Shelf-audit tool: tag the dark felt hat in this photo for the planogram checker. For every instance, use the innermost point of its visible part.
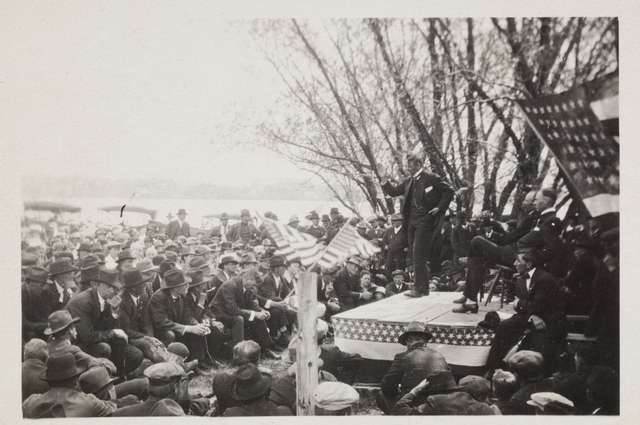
(89, 261)
(63, 265)
(461, 215)
(325, 217)
(197, 277)
(61, 367)
(314, 216)
(146, 265)
(414, 328)
(110, 277)
(29, 260)
(125, 255)
(182, 211)
(224, 216)
(245, 213)
(89, 273)
(174, 279)
(249, 383)
(84, 246)
(334, 210)
(276, 261)
(37, 274)
(132, 276)
(355, 260)
(229, 258)
(248, 258)
(59, 320)
(95, 379)
(226, 245)
(198, 263)
(165, 266)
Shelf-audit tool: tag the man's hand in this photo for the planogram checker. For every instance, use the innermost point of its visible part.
(199, 329)
(261, 315)
(420, 387)
(434, 211)
(538, 323)
(219, 326)
(333, 306)
(278, 305)
(366, 295)
(115, 303)
(119, 333)
(516, 300)
(154, 341)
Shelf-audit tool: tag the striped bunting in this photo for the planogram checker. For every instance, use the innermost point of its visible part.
(345, 244)
(293, 244)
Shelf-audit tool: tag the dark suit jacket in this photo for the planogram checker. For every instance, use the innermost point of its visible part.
(347, 286)
(75, 404)
(544, 299)
(94, 326)
(216, 282)
(457, 403)
(546, 237)
(34, 313)
(394, 242)
(174, 230)
(431, 191)
(316, 232)
(337, 362)
(62, 346)
(391, 288)
(222, 382)
(241, 232)
(194, 310)
(31, 382)
(518, 403)
(410, 368)
(461, 238)
(167, 314)
(51, 298)
(259, 408)
(526, 222)
(231, 301)
(135, 320)
(217, 231)
(268, 290)
(140, 409)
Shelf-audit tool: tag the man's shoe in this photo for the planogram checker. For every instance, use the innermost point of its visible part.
(465, 308)
(413, 294)
(284, 339)
(269, 355)
(460, 300)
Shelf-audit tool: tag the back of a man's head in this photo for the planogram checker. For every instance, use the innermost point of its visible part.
(36, 349)
(246, 352)
(505, 384)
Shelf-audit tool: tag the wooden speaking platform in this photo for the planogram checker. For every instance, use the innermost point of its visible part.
(373, 329)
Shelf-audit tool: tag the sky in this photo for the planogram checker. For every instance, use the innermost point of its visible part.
(99, 89)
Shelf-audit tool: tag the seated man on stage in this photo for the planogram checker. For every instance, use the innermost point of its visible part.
(484, 252)
(411, 367)
(240, 309)
(540, 308)
(426, 199)
(275, 287)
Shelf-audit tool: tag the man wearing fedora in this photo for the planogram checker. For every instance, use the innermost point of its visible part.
(442, 396)
(98, 310)
(395, 242)
(250, 389)
(227, 269)
(62, 335)
(178, 227)
(196, 306)
(62, 375)
(244, 230)
(426, 199)
(220, 231)
(170, 319)
(58, 293)
(240, 308)
(347, 285)
(98, 383)
(275, 287)
(411, 367)
(315, 229)
(89, 270)
(34, 307)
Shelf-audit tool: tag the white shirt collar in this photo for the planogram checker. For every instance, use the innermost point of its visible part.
(180, 222)
(528, 280)
(101, 300)
(418, 172)
(135, 299)
(397, 229)
(548, 210)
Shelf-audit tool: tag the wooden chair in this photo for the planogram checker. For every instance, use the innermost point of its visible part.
(499, 278)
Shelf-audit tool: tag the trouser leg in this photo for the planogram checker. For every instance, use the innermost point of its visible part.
(507, 334)
(236, 324)
(260, 333)
(421, 247)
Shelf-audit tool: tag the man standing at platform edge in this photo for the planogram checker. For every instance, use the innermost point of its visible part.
(426, 198)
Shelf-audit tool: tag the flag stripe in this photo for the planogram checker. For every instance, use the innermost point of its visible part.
(294, 244)
(346, 243)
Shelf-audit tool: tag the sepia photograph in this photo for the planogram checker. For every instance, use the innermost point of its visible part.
(230, 214)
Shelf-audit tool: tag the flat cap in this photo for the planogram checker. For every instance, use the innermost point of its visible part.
(476, 386)
(612, 235)
(555, 403)
(526, 362)
(335, 396)
(163, 373)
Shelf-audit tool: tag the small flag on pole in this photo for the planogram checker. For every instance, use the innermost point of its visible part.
(294, 244)
(345, 244)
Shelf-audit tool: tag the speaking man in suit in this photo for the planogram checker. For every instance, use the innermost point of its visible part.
(426, 199)
(540, 308)
(178, 227)
(240, 309)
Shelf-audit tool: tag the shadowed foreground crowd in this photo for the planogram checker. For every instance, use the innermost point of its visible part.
(116, 321)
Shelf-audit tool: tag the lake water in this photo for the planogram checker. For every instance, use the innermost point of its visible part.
(197, 208)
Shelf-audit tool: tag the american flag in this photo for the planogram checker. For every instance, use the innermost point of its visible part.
(294, 244)
(346, 243)
(580, 127)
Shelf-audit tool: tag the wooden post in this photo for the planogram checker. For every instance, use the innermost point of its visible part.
(307, 373)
